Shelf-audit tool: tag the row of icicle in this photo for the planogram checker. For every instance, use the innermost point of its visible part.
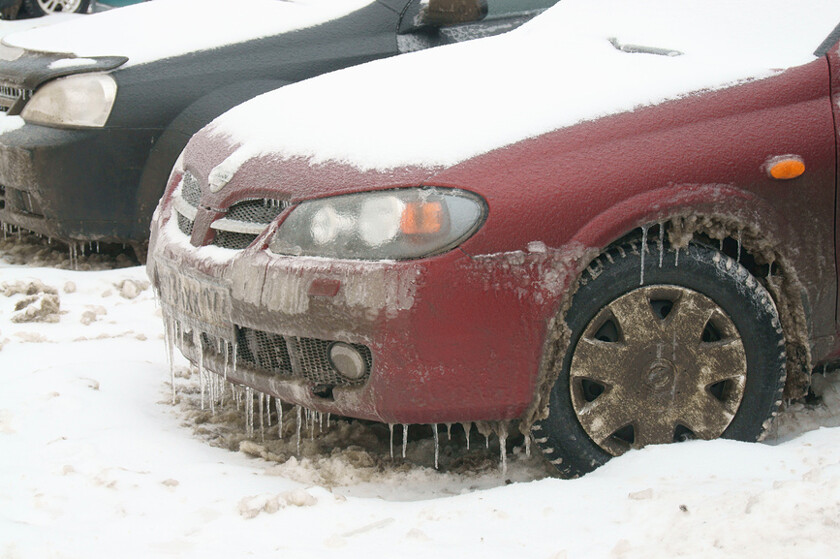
(257, 406)
(74, 249)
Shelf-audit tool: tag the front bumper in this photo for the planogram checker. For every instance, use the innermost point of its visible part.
(74, 185)
(449, 339)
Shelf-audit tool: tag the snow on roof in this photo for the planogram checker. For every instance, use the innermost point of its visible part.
(445, 105)
(164, 28)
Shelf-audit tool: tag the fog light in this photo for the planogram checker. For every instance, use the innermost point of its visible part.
(347, 360)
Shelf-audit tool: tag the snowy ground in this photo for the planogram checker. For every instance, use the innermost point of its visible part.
(95, 460)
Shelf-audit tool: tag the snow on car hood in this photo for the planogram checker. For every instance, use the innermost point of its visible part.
(445, 105)
(164, 28)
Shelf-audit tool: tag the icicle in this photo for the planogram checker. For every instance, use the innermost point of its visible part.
(644, 249)
(467, 428)
(677, 257)
(661, 243)
(405, 439)
(197, 344)
(391, 438)
(279, 405)
(310, 421)
(739, 247)
(235, 348)
(261, 400)
(298, 411)
(528, 445)
(168, 334)
(237, 398)
(487, 441)
(721, 244)
(437, 444)
(268, 410)
(320, 423)
(328, 421)
(249, 410)
(502, 433)
(449, 432)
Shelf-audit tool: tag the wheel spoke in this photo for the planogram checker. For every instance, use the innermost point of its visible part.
(602, 362)
(707, 416)
(636, 318)
(656, 429)
(691, 312)
(604, 416)
(719, 361)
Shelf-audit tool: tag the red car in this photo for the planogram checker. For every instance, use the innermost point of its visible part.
(614, 236)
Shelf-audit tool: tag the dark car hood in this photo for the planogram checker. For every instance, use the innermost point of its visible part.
(157, 30)
(29, 69)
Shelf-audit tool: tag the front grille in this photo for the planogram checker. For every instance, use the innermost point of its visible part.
(243, 222)
(13, 98)
(306, 358)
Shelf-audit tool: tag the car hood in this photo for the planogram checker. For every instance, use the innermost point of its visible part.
(165, 28)
(578, 61)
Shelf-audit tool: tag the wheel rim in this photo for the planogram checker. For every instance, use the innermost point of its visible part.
(657, 365)
(52, 6)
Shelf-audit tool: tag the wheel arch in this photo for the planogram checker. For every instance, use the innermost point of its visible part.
(734, 221)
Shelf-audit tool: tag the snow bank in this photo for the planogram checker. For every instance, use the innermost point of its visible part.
(164, 28)
(562, 68)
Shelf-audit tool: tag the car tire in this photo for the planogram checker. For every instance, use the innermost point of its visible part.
(38, 8)
(665, 346)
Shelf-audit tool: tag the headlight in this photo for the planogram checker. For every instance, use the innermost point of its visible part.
(387, 225)
(81, 100)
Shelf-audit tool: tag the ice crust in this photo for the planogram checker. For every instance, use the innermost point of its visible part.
(557, 70)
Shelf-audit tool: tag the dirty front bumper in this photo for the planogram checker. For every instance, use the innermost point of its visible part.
(446, 339)
(74, 185)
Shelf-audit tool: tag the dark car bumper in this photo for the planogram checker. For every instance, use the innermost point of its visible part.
(446, 339)
(53, 182)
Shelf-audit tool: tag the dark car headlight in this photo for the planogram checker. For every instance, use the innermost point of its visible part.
(83, 100)
(384, 225)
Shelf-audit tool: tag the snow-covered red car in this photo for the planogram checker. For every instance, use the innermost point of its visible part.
(613, 227)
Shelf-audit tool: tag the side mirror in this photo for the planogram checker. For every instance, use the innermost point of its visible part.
(453, 12)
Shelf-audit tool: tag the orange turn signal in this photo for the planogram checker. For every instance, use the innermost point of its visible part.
(420, 218)
(787, 167)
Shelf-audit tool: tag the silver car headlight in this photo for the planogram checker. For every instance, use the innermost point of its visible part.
(83, 100)
(386, 225)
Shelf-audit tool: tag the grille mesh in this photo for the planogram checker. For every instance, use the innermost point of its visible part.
(185, 225)
(231, 240)
(190, 189)
(270, 353)
(256, 211)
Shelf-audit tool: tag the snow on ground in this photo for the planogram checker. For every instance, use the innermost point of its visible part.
(96, 460)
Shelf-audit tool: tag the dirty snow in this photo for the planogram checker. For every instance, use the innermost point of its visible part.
(96, 460)
(561, 68)
(186, 25)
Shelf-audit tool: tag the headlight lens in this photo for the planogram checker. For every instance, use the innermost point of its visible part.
(387, 225)
(82, 100)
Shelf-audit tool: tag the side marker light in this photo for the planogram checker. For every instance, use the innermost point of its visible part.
(786, 167)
